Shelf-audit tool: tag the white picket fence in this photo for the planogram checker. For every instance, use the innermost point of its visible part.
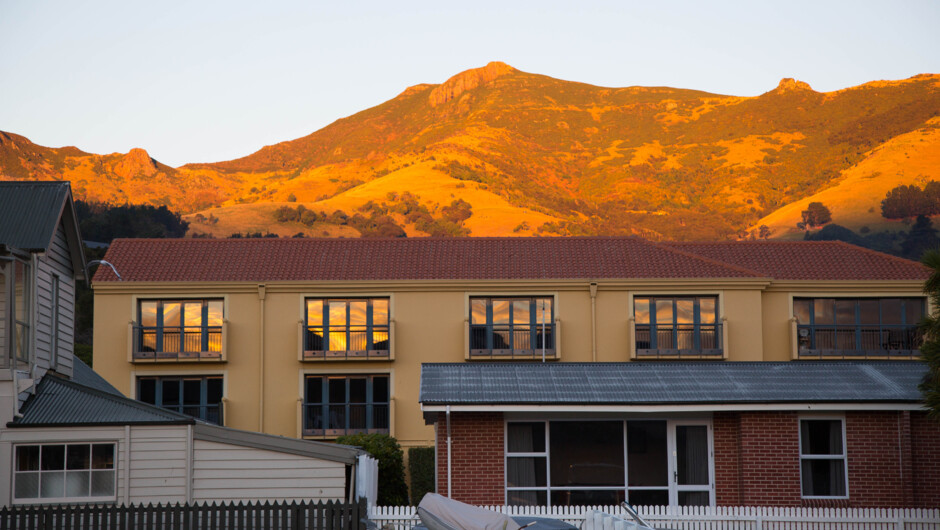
(708, 518)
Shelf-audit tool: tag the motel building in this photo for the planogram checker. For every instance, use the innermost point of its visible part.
(547, 371)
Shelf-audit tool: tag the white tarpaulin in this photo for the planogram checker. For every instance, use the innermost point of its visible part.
(367, 479)
(455, 514)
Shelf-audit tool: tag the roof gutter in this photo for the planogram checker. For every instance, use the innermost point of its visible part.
(677, 407)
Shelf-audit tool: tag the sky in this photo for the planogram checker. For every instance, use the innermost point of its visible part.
(208, 81)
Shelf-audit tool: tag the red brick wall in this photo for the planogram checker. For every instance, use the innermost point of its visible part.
(876, 477)
(925, 453)
(477, 461)
(893, 459)
(727, 436)
(769, 459)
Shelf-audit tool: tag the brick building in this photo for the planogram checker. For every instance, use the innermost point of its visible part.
(847, 433)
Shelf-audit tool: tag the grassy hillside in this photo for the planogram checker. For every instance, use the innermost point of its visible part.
(535, 155)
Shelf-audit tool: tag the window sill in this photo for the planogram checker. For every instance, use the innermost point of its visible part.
(196, 358)
(879, 355)
(655, 355)
(509, 355)
(326, 356)
(335, 434)
(64, 500)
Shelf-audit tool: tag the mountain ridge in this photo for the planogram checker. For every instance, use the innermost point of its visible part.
(532, 155)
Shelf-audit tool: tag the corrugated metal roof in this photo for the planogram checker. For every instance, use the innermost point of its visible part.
(60, 402)
(84, 375)
(29, 212)
(220, 260)
(650, 383)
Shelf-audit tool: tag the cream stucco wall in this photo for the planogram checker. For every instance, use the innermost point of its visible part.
(429, 320)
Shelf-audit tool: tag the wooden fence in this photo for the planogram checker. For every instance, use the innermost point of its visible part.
(330, 515)
(708, 518)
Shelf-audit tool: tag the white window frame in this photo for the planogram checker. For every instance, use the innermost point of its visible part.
(672, 487)
(63, 500)
(844, 456)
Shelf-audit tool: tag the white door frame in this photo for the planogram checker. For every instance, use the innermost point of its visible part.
(674, 487)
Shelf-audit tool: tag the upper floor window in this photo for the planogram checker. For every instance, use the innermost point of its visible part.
(15, 304)
(74, 472)
(822, 458)
(199, 397)
(346, 327)
(512, 326)
(179, 329)
(335, 405)
(677, 326)
(858, 326)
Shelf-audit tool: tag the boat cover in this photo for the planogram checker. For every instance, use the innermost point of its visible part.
(440, 513)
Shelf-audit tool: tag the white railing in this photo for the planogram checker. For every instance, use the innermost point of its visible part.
(707, 518)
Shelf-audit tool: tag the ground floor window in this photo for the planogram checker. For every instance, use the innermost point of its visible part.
(196, 396)
(822, 458)
(64, 472)
(335, 405)
(604, 462)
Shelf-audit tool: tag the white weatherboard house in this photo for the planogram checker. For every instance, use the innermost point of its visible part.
(67, 436)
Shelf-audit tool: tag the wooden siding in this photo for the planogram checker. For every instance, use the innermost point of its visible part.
(55, 262)
(158, 464)
(224, 472)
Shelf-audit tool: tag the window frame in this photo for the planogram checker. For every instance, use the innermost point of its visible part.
(697, 327)
(65, 500)
(371, 328)
(370, 404)
(21, 331)
(844, 456)
(203, 405)
(490, 328)
(672, 487)
(207, 334)
(808, 332)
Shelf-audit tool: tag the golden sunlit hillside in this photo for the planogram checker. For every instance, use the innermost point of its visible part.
(497, 151)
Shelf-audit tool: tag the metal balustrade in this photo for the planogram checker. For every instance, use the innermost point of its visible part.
(858, 341)
(177, 343)
(679, 340)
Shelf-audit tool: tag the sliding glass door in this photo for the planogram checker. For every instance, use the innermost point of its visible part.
(602, 462)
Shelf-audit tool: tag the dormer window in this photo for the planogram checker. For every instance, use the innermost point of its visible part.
(677, 326)
(858, 327)
(346, 328)
(512, 327)
(179, 330)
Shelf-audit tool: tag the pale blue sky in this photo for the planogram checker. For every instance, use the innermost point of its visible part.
(201, 81)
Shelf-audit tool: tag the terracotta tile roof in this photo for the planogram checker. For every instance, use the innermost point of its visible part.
(809, 260)
(207, 260)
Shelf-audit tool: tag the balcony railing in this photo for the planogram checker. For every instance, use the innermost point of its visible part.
(519, 342)
(177, 343)
(827, 342)
(680, 341)
(339, 419)
(346, 343)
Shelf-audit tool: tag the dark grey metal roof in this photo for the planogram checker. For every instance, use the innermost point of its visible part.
(346, 454)
(59, 402)
(649, 383)
(84, 375)
(29, 212)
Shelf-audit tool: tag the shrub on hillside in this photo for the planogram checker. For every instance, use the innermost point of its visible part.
(904, 202)
(816, 214)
